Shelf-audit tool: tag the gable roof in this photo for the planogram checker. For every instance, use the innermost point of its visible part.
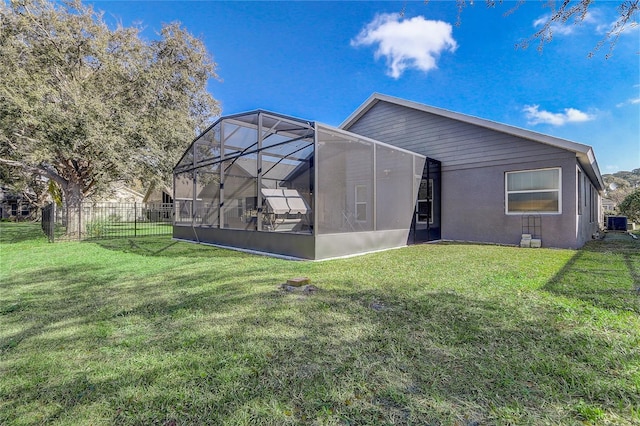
(584, 153)
(156, 187)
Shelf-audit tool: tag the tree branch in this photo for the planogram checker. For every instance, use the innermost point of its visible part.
(24, 166)
(42, 170)
(30, 16)
(23, 136)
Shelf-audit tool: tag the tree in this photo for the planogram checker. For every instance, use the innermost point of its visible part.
(616, 188)
(83, 104)
(620, 184)
(567, 11)
(630, 206)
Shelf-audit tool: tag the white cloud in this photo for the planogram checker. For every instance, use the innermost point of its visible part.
(605, 28)
(594, 18)
(556, 28)
(406, 43)
(569, 27)
(632, 101)
(570, 115)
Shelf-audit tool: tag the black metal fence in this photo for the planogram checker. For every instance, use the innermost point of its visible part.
(48, 222)
(107, 220)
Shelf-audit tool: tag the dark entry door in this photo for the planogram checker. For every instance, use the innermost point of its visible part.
(426, 220)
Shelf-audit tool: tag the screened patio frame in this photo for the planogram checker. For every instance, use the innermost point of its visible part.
(345, 193)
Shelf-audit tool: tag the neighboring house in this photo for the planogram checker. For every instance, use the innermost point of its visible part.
(158, 194)
(14, 206)
(395, 172)
(159, 203)
(608, 205)
(495, 179)
(118, 203)
(118, 192)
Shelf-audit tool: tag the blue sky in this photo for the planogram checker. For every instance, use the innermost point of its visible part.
(321, 60)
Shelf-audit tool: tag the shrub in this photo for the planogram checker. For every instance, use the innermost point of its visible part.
(97, 228)
(630, 206)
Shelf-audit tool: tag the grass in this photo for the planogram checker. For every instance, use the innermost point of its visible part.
(153, 331)
(128, 229)
(102, 229)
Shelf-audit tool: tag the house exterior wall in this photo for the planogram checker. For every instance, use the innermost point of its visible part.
(474, 162)
(473, 206)
(457, 145)
(158, 196)
(117, 193)
(14, 207)
(588, 208)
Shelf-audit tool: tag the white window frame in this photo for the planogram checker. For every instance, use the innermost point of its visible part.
(580, 191)
(507, 192)
(360, 203)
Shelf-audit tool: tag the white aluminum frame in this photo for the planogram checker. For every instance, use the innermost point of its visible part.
(507, 192)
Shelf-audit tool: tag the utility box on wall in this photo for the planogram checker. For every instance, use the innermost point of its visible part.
(617, 223)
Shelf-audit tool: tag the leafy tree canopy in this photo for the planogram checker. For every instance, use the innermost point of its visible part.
(84, 104)
(630, 206)
(620, 184)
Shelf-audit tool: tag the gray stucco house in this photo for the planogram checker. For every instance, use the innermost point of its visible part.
(496, 181)
(395, 172)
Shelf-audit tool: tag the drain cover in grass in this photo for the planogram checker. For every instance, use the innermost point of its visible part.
(299, 281)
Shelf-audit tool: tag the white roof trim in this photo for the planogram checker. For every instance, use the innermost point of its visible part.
(584, 153)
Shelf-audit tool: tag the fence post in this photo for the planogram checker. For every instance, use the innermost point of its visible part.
(135, 218)
(52, 223)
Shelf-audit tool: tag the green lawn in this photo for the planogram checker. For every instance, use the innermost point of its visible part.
(153, 331)
(103, 229)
